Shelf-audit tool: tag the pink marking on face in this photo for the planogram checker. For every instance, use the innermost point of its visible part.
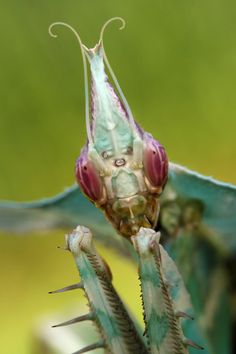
(88, 177)
(155, 161)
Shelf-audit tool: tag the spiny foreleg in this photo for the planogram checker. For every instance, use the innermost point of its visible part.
(117, 330)
(161, 297)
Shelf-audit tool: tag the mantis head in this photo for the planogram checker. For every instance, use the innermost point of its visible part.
(121, 168)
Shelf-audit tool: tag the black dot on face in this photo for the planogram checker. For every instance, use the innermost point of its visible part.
(105, 154)
(120, 162)
(129, 150)
(154, 152)
(85, 168)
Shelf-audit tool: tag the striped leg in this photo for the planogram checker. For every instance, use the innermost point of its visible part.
(165, 299)
(117, 330)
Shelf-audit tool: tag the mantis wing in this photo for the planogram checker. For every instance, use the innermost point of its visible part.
(217, 200)
(65, 210)
(62, 211)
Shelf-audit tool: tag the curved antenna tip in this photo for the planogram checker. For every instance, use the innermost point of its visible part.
(82, 47)
(50, 30)
(123, 23)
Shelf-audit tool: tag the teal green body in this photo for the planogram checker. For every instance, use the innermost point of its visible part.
(117, 330)
(111, 131)
(167, 305)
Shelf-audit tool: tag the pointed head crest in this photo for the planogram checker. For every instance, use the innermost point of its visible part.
(97, 58)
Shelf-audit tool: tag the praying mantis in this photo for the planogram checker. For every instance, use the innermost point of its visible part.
(179, 226)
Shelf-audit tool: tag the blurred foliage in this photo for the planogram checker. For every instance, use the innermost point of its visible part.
(176, 62)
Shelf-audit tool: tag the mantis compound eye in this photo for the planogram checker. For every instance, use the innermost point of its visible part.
(155, 161)
(87, 177)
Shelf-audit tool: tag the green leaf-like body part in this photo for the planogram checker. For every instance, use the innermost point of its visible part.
(164, 295)
(65, 210)
(218, 199)
(116, 327)
(62, 211)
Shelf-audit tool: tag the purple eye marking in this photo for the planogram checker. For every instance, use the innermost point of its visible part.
(155, 161)
(88, 177)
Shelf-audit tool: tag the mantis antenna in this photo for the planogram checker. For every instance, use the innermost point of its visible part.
(50, 30)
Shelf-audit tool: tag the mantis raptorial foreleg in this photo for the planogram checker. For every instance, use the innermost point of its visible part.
(117, 330)
(165, 299)
(164, 296)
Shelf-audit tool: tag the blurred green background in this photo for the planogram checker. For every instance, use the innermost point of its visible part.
(176, 63)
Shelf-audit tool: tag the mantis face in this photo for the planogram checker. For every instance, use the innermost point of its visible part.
(122, 169)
